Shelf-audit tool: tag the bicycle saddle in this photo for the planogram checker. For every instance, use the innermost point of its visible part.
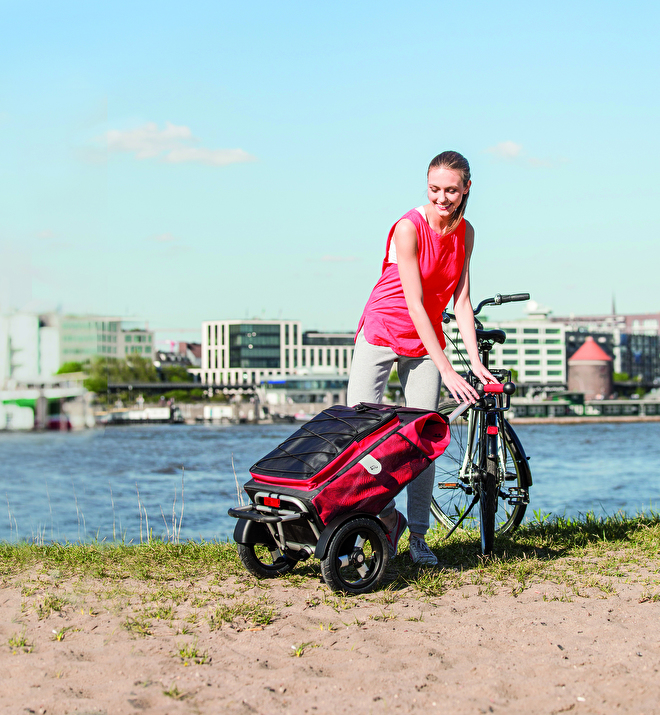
(497, 336)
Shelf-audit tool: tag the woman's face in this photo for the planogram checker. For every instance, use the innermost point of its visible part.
(446, 191)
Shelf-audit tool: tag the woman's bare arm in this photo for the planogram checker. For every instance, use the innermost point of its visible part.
(411, 281)
(464, 313)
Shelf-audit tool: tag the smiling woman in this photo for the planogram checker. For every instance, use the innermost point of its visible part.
(427, 262)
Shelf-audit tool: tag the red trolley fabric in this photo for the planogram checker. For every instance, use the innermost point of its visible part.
(355, 458)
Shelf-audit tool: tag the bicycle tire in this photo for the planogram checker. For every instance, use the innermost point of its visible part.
(447, 504)
(488, 507)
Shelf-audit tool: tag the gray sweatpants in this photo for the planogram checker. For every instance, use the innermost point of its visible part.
(421, 383)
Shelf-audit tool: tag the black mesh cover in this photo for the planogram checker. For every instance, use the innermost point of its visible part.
(320, 440)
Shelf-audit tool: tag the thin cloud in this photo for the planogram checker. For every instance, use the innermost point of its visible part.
(171, 244)
(505, 150)
(163, 238)
(512, 152)
(173, 144)
(213, 157)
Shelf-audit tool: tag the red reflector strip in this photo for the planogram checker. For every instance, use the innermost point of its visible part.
(270, 501)
(448, 485)
(494, 387)
(491, 429)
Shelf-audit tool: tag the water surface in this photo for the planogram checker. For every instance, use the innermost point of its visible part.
(120, 482)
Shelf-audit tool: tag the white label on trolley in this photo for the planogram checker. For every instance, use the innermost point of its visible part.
(371, 464)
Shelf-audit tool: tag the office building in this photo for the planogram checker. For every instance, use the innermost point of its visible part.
(82, 337)
(255, 351)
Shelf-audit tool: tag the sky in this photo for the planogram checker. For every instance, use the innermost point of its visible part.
(205, 161)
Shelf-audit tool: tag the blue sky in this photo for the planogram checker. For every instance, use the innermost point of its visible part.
(204, 161)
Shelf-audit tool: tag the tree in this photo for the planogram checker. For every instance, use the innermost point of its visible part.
(68, 367)
(176, 373)
(102, 370)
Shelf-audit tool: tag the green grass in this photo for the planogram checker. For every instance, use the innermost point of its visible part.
(151, 561)
(259, 613)
(585, 555)
(577, 553)
(190, 654)
(18, 643)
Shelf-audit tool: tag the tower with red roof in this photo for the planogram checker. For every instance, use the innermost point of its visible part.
(590, 371)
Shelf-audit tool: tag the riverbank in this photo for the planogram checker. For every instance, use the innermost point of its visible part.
(597, 419)
(565, 618)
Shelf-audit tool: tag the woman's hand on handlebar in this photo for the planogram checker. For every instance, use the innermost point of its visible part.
(460, 389)
(480, 372)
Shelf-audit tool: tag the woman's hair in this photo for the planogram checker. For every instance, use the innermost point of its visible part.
(456, 162)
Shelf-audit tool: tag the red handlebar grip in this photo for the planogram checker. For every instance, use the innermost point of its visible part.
(494, 387)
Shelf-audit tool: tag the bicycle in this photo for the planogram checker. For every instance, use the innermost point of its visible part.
(485, 462)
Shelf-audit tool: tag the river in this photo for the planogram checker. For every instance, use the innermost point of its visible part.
(120, 482)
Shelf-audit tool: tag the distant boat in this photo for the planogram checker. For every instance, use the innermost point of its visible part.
(149, 415)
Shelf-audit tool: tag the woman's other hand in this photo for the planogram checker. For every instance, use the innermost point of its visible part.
(480, 372)
(460, 389)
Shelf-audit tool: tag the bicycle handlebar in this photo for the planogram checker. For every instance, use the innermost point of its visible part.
(498, 299)
(508, 388)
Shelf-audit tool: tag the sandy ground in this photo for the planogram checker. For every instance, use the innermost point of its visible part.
(462, 652)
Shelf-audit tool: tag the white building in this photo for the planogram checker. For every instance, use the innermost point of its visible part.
(35, 346)
(535, 348)
(254, 351)
(28, 348)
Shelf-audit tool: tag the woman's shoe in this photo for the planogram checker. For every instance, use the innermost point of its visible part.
(394, 534)
(420, 552)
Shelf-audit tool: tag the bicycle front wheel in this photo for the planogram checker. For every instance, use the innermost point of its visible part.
(452, 491)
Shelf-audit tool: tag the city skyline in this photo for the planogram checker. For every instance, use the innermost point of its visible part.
(236, 162)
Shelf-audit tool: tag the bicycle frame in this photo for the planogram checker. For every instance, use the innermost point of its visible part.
(489, 442)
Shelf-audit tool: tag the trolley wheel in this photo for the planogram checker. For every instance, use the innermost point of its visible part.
(264, 561)
(357, 557)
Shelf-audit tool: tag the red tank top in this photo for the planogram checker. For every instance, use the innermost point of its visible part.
(386, 320)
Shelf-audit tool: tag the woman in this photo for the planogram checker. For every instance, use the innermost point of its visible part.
(427, 262)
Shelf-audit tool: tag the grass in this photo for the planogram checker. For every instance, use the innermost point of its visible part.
(18, 643)
(588, 555)
(156, 561)
(191, 655)
(50, 604)
(258, 612)
(139, 625)
(299, 650)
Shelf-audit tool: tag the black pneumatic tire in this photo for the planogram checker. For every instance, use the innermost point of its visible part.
(449, 503)
(488, 507)
(357, 557)
(263, 562)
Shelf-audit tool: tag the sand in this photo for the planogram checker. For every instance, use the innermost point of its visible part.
(467, 651)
